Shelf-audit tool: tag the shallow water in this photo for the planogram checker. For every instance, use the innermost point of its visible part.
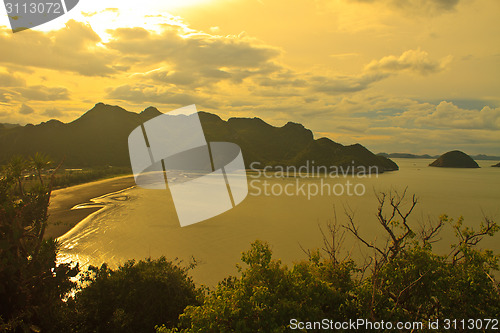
(138, 223)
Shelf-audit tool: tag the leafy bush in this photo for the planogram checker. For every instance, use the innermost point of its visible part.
(404, 281)
(32, 285)
(133, 298)
(267, 295)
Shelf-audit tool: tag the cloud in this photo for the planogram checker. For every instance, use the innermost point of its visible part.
(428, 6)
(53, 112)
(198, 49)
(345, 84)
(432, 7)
(193, 58)
(11, 80)
(74, 48)
(154, 94)
(25, 109)
(448, 115)
(416, 61)
(42, 93)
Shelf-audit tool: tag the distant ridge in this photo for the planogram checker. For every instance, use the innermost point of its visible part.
(455, 159)
(427, 156)
(406, 155)
(7, 125)
(100, 137)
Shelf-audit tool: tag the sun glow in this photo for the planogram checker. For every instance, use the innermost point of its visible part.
(113, 14)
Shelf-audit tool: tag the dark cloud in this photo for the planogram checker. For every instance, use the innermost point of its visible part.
(53, 112)
(4, 97)
(199, 50)
(11, 80)
(195, 59)
(345, 84)
(42, 93)
(25, 109)
(73, 48)
(153, 94)
(419, 6)
(282, 79)
(426, 5)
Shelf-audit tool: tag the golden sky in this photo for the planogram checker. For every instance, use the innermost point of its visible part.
(419, 76)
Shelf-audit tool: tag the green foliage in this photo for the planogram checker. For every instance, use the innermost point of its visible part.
(268, 294)
(69, 178)
(133, 298)
(406, 281)
(32, 285)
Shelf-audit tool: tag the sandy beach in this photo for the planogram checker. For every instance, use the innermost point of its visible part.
(62, 218)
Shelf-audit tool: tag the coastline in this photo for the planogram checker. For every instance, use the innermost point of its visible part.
(62, 218)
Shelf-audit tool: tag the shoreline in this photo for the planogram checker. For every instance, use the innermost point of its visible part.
(62, 218)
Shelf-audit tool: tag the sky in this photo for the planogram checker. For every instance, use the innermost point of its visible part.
(416, 76)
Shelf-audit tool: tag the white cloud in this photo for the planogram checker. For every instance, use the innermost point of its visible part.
(416, 61)
(73, 48)
(448, 115)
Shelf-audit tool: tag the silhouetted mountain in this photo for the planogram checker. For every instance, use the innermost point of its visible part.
(455, 159)
(485, 157)
(100, 137)
(405, 155)
(7, 125)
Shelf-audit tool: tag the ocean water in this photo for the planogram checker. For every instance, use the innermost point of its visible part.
(138, 223)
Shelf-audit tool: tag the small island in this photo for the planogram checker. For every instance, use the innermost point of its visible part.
(496, 165)
(455, 159)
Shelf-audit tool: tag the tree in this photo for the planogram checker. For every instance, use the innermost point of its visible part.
(135, 297)
(40, 162)
(409, 282)
(32, 284)
(14, 171)
(269, 294)
(404, 280)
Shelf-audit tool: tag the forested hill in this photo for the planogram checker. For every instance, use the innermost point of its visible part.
(100, 137)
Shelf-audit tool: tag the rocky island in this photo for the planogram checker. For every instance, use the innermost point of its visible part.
(454, 159)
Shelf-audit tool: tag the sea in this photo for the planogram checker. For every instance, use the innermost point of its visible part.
(291, 211)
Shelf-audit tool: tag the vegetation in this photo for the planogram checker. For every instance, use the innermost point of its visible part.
(133, 298)
(32, 285)
(39, 295)
(71, 177)
(37, 169)
(403, 280)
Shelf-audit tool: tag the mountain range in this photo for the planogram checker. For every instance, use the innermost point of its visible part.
(100, 137)
(427, 156)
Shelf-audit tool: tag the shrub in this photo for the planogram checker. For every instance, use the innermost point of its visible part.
(133, 298)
